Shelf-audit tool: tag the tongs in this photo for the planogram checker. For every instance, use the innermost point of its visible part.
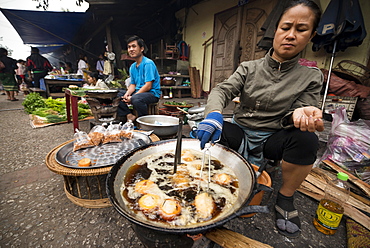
(178, 147)
(206, 156)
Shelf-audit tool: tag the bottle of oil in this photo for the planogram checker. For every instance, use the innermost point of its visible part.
(330, 210)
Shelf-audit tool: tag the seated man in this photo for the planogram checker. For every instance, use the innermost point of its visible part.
(144, 87)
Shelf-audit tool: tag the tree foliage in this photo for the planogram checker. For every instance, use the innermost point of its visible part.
(44, 4)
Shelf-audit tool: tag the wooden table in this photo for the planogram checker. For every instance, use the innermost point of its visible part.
(60, 82)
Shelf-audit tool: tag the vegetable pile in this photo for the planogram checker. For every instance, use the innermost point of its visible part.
(184, 103)
(51, 110)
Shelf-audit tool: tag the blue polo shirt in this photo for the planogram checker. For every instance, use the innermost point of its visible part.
(145, 72)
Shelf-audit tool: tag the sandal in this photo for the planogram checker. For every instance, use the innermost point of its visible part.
(284, 225)
(15, 99)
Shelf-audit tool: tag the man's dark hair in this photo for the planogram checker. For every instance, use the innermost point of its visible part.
(34, 50)
(140, 41)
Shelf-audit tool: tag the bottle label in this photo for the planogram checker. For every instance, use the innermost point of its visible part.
(328, 218)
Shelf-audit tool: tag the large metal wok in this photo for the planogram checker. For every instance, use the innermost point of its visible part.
(242, 169)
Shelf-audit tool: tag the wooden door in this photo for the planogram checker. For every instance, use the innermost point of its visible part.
(225, 44)
(236, 34)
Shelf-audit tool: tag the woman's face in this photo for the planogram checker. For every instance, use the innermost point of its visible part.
(91, 80)
(293, 33)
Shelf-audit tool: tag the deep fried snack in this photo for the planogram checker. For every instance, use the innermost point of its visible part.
(144, 186)
(180, 180)
(82, 144)
(169, 209)
(111, 138)
(223, 179)
(126, 134)
(149, 202)
(187, 156)
(96, 137)
(204, 205)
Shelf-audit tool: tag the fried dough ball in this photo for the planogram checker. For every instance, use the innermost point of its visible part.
(149, 202)
(223, 179)
(187, 156)
(144, 186)
(180, 180)
(170, 209)
(205, 206)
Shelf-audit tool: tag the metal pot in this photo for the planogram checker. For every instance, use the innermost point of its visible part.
(162, 125)
(241, 167)
(196, 110)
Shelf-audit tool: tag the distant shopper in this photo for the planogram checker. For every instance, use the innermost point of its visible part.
(21, 71)
(7, 74)
(144, 87)
(38, 66)
(82, 66)
(69, 68)
(100, 64)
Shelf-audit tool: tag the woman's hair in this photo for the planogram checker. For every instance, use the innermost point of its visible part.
(308, 3)
(3, 51)
(94, 74)
(140, 41)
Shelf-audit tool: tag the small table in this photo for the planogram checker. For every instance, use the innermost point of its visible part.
(71, 176)
(60, 82)
(79, 183)
(72, 100)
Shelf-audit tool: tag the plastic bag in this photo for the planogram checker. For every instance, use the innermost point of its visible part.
(23, 86)
(82, 140)
(96, 134)
(349, 145)
(112, 134)
(127, 130)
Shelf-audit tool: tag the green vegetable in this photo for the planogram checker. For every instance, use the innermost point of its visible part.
(55, 118)
(184, 103)
(32, 102)
(58, 104)
(43, 112)
(53, 109)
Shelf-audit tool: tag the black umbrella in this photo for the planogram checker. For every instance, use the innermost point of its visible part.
(341, 26)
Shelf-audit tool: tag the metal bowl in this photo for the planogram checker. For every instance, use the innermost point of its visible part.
(162, 125)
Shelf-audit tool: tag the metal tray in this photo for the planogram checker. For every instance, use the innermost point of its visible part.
(101, 156)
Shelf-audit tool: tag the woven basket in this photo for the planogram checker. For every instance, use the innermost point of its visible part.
(354, 69)
(170, 112)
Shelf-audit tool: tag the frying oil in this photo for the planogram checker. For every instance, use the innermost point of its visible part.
(159, 168)
(330, 210)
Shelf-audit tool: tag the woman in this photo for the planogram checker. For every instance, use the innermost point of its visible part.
(277, 115)
(82, 66)
(7, 75)
(94, 80)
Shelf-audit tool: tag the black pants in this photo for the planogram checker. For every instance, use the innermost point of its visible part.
(37, 77)
(292, 145)
(139, 101)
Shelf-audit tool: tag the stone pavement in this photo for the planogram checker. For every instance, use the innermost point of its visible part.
(35, 212)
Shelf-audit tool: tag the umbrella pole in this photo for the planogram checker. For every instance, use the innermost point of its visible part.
(329, 74)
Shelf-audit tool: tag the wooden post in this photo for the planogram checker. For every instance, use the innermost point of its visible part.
(195, 85)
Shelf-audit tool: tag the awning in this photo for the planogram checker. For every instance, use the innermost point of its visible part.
(46, 28)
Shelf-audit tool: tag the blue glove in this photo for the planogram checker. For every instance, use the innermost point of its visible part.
(210, 128)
